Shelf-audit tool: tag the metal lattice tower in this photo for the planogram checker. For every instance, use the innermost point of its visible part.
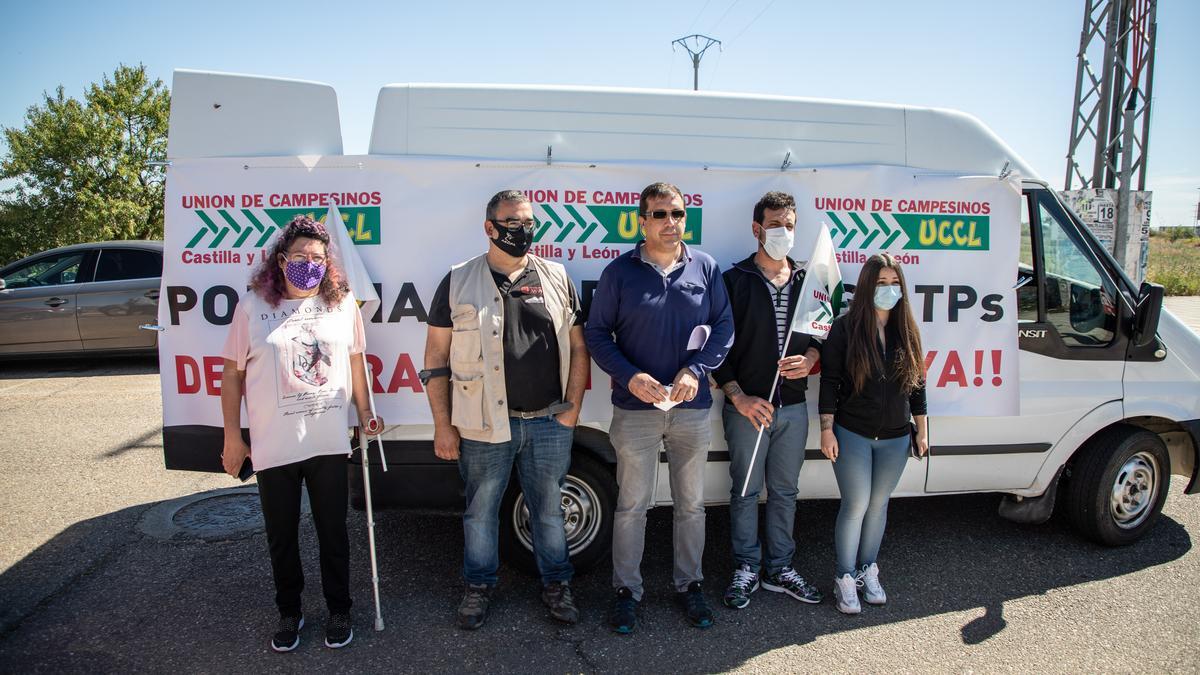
(1110, 124)
(696, 55)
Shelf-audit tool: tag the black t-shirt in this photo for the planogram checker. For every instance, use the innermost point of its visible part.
(530, 345)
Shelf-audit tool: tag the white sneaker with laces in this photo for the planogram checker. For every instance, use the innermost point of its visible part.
(868, 577)
(845, 591)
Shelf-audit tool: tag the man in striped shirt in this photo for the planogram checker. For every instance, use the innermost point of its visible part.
(763, 292)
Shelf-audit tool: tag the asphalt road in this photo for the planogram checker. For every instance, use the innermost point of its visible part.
(87, 583)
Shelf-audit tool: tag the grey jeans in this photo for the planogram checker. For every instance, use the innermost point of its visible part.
(639, 436)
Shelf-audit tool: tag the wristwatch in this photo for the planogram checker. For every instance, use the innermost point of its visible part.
(428, 374)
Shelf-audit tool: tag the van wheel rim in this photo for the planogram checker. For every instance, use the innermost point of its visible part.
(582, 516)
(1134, 490)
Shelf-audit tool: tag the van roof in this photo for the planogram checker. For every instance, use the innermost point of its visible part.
(229, 115)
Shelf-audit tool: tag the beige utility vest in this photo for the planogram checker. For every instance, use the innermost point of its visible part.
(478, 402)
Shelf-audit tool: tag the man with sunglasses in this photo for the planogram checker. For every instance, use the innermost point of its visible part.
(659, 323)
(506, 367)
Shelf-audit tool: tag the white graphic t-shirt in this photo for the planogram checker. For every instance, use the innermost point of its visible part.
(297, 362)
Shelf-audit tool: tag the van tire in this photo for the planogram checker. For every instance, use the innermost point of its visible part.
(590, 498)
(1118, 485)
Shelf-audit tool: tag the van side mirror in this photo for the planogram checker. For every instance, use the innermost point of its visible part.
(1149, 308)
(2, 285)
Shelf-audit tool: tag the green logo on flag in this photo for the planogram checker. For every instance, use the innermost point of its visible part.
(829, 308)
(241, 228)
(910, 231)
(571, 224)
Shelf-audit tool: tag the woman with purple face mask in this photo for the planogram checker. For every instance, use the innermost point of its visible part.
(295, 352)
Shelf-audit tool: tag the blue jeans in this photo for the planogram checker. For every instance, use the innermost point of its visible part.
(780, 456)
(867, 473)
(541, 450)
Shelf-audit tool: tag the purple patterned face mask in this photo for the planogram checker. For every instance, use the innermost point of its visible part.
(304, 275)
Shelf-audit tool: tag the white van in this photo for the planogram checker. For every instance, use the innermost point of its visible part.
(1109, 386)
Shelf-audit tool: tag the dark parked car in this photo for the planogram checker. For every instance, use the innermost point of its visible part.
(83, 298)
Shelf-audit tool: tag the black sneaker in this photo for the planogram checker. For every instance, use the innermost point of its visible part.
(287, 636)
(745, 582)
(622, 616)
(556, 595)
(338, 631)
(474, 606)
(787, 581)
(692, 600)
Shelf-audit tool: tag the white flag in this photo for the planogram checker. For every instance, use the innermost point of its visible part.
(821, 294)
(352, 266)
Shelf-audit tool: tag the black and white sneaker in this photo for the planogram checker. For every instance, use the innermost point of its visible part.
(338, 632)
(745, 582)
(287, 635)
(787, 581)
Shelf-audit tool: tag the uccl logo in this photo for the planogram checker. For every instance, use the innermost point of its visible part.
(253, 228)
(909, 231)
(579, 224)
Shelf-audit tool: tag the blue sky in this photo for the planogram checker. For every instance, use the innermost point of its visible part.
(1011, 64)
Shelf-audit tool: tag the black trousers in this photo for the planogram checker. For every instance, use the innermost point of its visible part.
(279, 491)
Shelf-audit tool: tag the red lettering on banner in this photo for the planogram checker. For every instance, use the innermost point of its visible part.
(187, 375)
(214, 368)
(403, 375)
(190, 375)
(951, 370)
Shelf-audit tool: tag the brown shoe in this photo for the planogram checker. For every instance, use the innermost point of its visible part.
(556, 595)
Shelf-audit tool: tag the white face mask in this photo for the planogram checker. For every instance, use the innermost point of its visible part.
(886, 297)
(777, 241)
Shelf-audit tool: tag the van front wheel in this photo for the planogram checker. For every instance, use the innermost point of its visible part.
(589, 497)
(1118, 485)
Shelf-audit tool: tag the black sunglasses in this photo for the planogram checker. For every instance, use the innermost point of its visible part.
(677, 214)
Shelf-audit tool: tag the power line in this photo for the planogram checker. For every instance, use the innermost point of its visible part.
(706, 3)
(727, 10)
(756, 17)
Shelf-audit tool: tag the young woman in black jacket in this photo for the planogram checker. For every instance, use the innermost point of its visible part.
(872, 383)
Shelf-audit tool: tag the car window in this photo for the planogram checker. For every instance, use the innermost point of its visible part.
(1079, 301)
(1027, 296)
(117, 264)
(47, 271)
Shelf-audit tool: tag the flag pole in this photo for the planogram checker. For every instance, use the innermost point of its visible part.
(758, 441)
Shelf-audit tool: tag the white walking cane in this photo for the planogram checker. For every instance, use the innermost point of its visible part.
(757, 441)
(364, 446)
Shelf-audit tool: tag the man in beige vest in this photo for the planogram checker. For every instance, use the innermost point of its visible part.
(506, 367)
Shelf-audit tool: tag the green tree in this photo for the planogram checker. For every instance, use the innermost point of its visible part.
(79, 168)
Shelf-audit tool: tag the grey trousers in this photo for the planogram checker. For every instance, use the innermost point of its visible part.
(639, 436)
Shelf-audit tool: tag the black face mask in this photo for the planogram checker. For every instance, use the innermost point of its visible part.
(514, 241)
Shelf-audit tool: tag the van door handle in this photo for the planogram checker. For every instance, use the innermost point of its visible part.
(153, 295)
(55, 302)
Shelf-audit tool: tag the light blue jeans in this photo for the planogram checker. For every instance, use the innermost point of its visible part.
(780, 456)
(867, 473)
(541, 450)
(639, 436)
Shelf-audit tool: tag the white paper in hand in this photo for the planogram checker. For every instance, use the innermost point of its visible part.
(699, 337)
(667, 404)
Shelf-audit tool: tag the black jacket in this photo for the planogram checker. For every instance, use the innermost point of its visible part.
(754, 357)
(881, 410)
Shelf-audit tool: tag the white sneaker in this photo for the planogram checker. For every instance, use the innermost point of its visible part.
(845, 591)
(868, 577)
